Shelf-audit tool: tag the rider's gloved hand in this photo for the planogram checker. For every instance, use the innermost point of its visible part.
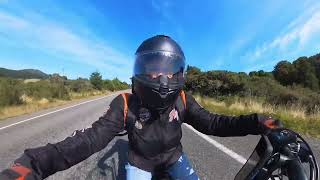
(16, 172)
(267, 123)
(20, 170)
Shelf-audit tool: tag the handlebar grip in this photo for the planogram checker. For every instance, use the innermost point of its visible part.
(295, 170)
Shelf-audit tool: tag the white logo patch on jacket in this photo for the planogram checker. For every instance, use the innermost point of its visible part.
(173, 115)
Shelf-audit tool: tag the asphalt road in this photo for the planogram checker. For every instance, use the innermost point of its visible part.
(56, 124)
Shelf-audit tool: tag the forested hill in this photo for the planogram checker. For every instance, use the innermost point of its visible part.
(23, 74)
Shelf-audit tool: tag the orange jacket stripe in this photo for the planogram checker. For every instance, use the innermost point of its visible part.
(125, 108)
(183, 96)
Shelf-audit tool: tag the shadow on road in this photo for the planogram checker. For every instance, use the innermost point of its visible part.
(112, 164)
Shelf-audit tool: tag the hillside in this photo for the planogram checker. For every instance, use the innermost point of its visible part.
(291, 92)
(23, 74)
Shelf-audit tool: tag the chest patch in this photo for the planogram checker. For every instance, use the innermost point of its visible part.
(173, 115)
(138, 125)
(144, 115)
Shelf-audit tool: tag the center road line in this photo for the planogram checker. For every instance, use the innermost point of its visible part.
(26, 120)
(220, 146)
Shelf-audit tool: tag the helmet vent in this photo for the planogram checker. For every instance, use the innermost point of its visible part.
(163, 91)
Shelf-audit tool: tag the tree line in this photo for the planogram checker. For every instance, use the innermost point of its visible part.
(289, 84)
(304, 71)
(13, 90)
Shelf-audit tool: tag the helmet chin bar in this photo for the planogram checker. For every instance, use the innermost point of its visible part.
(163, 89)
(163, 86)
(167, 97)
(164, 93)
(158, 97)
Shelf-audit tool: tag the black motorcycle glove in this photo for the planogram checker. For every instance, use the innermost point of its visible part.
(267, 124)
(16, 172)
(22, 169)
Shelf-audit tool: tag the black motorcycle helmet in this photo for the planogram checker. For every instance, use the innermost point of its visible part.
(158, 74)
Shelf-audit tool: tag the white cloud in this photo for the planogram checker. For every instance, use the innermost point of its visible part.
(8, 21)
(167, 21)
(310, 28)
(164, 8)
(57, 40)
(260, 66)
(296, 37)
(155, 5)
(217, 63)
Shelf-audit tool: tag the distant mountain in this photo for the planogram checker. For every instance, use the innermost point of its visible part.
(23, 74)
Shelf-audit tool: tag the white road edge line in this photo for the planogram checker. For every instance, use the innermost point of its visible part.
(1, 128)
(220, 146)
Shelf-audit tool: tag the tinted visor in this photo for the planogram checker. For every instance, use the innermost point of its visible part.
(158, 63)
(174, 82)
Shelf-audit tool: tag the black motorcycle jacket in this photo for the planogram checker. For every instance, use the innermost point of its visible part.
(154, 137)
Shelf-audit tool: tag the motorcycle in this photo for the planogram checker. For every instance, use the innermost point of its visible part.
(281, 154)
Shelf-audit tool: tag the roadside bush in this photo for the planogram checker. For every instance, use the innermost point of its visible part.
(119, 85)
(215, 83)
(10, 92)
(262, 86)
(114, 85)
(284, 98)
(107, 84)
(45, 89)
(80, 85)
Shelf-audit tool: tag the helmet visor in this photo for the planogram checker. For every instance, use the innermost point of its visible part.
(158, 63)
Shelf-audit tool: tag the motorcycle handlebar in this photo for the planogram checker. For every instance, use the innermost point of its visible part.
(294, 167)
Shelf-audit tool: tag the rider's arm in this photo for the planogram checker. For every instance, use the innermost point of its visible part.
(221, 125)
(46, 160)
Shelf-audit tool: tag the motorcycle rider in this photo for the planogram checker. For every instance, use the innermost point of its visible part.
(152, 115)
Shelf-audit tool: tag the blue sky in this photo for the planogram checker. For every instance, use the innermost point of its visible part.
(79, 37)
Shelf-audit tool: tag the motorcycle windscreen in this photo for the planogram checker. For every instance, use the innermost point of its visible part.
(256, 161)
(157, 63)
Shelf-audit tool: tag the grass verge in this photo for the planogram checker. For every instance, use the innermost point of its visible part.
(295, 118)
(31, 105)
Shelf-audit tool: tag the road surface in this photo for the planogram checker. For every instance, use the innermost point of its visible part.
(212, 157)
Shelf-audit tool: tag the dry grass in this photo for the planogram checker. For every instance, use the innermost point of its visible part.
(75, 95)
(30, 105)
(31, 80)
(293, 117)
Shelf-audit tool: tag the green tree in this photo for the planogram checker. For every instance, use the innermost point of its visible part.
(285, 73)
(96, 80)
(261, 73)
(192, 80)
(306, 73)
(315, 60)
